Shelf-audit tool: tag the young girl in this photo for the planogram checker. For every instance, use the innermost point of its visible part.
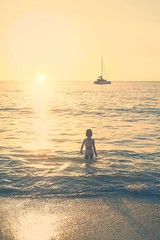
(89, 144)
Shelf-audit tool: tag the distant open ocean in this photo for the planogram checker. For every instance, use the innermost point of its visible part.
(42, 126)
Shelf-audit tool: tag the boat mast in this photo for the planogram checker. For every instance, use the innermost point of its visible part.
(102, 67)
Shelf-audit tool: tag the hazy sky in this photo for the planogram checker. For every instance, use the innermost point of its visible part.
(65, 39)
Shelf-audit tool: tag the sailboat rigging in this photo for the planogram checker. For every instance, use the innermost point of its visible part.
(100, 79)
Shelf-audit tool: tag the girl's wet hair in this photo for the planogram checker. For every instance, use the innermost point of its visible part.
(89, 133)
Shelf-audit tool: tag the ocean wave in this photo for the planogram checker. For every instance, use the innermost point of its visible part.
(91, 184)
(144, 189)
(9, 109)
(18, 110)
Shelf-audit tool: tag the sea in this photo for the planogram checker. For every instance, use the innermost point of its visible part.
(43, 124)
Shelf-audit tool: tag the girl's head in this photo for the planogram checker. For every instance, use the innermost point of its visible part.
(89, 133)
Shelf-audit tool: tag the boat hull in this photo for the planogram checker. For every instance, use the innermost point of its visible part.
(105, 82)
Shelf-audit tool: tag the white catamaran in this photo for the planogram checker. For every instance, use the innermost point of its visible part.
(100, 79)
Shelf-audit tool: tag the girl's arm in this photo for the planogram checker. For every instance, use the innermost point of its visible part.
(82, 147)
(94, 148)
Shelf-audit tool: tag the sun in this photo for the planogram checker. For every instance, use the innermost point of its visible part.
(41, 78)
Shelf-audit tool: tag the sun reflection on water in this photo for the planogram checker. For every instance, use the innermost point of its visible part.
(40, 95)
(41, 123)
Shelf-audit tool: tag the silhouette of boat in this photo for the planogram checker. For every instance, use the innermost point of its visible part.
(100, 79)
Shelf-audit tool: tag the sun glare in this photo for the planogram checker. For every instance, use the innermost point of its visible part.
(41, 78)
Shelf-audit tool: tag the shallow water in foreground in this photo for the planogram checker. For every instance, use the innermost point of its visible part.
(42, 126)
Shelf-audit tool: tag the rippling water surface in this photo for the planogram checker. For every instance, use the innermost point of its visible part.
(42, 126)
